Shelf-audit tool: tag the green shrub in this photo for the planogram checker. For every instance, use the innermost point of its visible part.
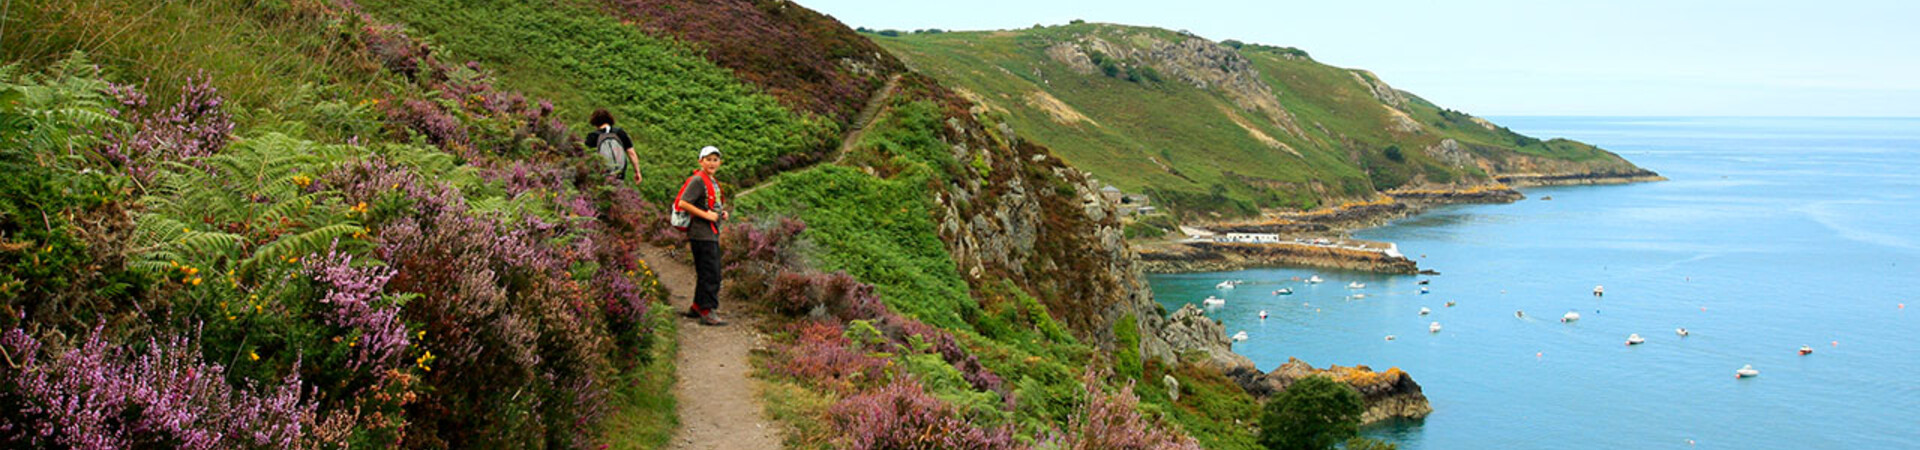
(1313, 413)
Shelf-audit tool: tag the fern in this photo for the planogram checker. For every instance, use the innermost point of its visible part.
(288, 248)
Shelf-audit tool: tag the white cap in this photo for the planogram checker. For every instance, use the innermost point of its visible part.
(708, 150)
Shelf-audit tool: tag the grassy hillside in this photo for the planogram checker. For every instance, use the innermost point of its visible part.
(1217, 128)
(371, 224)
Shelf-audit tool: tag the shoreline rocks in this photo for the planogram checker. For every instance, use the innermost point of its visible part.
(1217, 257)
(1391, 394)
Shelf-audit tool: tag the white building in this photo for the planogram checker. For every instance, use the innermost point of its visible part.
(1250, 238)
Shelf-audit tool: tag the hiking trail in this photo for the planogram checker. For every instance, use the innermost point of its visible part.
(716, 395)
(861, 123)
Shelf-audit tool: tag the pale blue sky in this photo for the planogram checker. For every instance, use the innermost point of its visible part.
(1539, 57)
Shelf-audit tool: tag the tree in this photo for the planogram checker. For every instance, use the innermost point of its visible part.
(1313, 414)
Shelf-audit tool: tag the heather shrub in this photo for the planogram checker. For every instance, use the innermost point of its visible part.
(1112, 421)
(820, 355)
(901, 415)
(105, 395)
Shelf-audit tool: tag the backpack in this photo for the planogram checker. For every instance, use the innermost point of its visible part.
(681, 219)
(612, 152)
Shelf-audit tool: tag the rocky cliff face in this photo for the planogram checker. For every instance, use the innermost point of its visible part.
(1198, 62)
(1190, 329)
(1020, 215)
(1388, 395)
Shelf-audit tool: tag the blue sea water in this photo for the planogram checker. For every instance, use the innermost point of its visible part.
(1773, 233)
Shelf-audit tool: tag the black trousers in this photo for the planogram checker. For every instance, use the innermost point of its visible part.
(706, 266)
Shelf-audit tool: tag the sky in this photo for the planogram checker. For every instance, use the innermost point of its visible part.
(1535, 57)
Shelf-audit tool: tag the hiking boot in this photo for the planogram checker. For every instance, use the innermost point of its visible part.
(690, 314)
(712, 320)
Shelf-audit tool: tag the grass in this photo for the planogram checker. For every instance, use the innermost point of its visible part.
(666, 94)
(1195, 146)
(644, 407)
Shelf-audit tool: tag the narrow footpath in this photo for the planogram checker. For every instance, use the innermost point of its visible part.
(861, 122)
(717, 395)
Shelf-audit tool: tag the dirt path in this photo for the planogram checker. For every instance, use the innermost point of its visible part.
(717, 405)
(861, 122)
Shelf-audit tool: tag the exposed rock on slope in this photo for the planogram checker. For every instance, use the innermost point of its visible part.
(1388, 395)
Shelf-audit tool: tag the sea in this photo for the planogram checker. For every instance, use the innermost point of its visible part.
(1771, 234)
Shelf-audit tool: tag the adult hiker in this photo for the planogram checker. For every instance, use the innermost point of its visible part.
(613, 145)
(700, 200)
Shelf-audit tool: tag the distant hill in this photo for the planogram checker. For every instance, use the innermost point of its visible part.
(1232, 128)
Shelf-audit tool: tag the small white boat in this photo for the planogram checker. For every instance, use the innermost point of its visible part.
(1241, 336)
(1424, 282)
(1634, 339)
(1571, 316)
(1805, 350)
(1214, 301)
(1599, 291)
(1425, 311)
(1433, 327)
(1682, 331)
(1423, 290)
(1224, 285)
(1390, 337)
(1746, 371)
(1357, 296)
(1314, 280)
(1356, 285)
(1283, 291)
(1519, 314)
(1263, 314)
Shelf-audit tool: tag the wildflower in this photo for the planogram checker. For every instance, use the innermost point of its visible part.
(257, 309)
(231, 318)
(253, 356)
(421, 335)
(196, 281)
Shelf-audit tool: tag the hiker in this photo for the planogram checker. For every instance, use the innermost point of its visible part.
(700, 199)
(613, 145)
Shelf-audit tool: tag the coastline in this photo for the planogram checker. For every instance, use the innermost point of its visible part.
(1192, 256)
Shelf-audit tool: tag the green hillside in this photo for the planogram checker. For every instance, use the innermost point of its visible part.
(1226, 128)
(372, 224)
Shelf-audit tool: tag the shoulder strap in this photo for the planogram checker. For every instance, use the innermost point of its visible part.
(683, 193)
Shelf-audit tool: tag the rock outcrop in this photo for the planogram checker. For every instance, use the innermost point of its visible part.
(1391, 394)
(1189, 329)
(1012, 213)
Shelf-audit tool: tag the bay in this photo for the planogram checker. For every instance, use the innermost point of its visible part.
(1772, 233)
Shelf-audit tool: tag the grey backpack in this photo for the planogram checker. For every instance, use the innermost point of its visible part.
(612, 153)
